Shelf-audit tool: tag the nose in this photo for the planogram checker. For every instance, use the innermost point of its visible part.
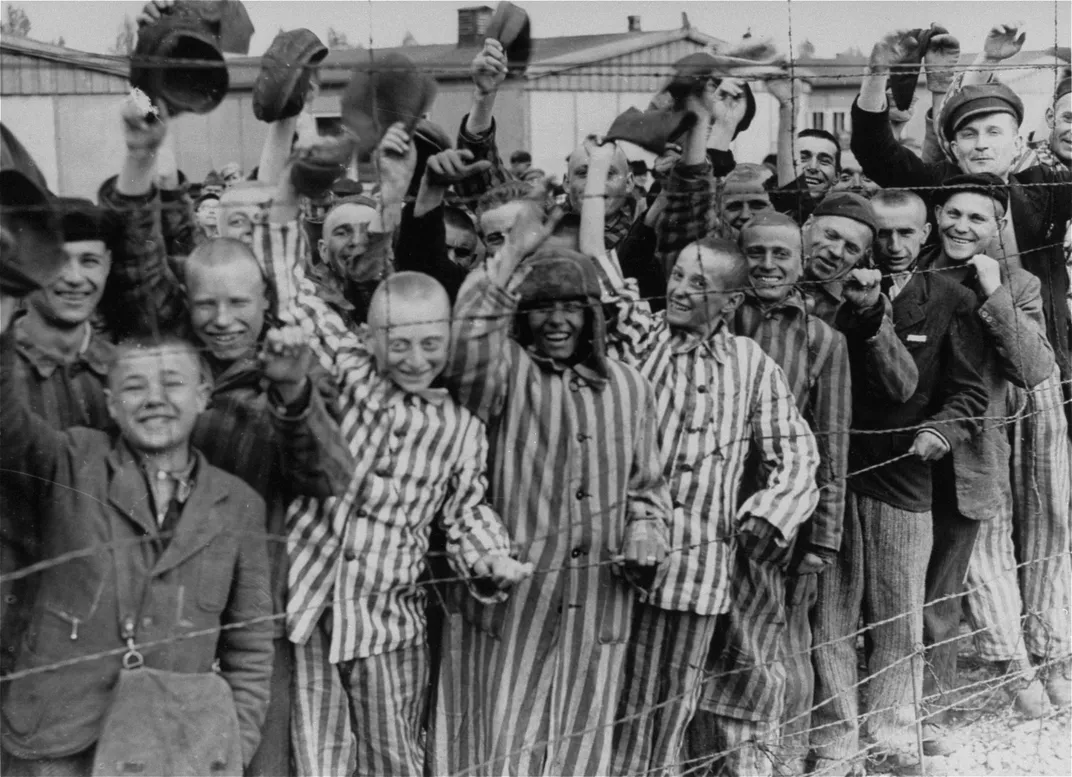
(557, 314)
(767, 260)
(224, 316)
(895, 243)
(155, 394)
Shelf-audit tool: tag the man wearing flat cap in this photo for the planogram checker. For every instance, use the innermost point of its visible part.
(980, 126)
(887, 530)
(972, 498)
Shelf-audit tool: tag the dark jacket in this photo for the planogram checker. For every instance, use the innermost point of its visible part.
(1041, 205)
(935, 320)
(1016, 352)
(92, 494)
(283, 453)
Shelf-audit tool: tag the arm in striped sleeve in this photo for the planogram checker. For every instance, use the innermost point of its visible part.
(473, 530)
(687, 217)
(481, 351)
(832, 407)
(789, 456)
(630, 329)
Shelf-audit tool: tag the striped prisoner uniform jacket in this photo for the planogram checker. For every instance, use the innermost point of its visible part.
(530, 686)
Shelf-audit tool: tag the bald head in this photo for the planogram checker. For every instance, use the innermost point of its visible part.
(227, 295)
(771, 220)
(409, 329)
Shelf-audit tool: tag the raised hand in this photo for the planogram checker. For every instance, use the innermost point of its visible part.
(397, 159)
(153, 10)
(862, 288)
(503, 571)
(891, 49)
(728, 104)
(451, 166)
(286, 359)
(488, 68)
(988, 271)
(1003, 41)
(940, 59)
(144, 124)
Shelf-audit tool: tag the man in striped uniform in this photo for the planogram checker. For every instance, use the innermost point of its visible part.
(815, 359)
(530, 686)
(356, 606)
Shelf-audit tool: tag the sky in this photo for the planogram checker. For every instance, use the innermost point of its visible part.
(91, 25)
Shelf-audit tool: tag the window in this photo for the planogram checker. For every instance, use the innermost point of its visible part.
(839, 122)
(818, 120)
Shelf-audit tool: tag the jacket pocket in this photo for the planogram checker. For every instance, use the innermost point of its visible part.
(216, 576)
(486, 618)
(616, 603)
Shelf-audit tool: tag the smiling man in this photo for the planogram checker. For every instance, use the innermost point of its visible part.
(815, 360)
(744, 195)
(880, 570)
(818, 162)
(972, 493)
(981, 125)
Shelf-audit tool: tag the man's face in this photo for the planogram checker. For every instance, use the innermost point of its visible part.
(231, 174)
(208, 215)
(852, 179)
(619, 180)
(968, 224)
(817, 161)
(558, 328)
(496, 223)
(902, 230)
(834, 245)
(346, 233)
(227, 307)
(696, 300)
(240, 210)
(72, 296)
(155, 396)
(410, 340)
(987, 144)
(520, 168)
(1059, 119)
(774, 260)
(461, 246)
(740, 202)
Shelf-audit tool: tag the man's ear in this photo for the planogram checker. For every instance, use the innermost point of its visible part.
(204, 393)
(322, 249)
(926, 230)
(1049, 118)
(733, 301)
(109, 399)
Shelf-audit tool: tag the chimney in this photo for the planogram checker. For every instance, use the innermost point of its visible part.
(634, 24)
(472, 23)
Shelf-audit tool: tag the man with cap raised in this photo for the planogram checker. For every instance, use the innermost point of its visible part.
(972, 495)
(881, 567)
(981, 125)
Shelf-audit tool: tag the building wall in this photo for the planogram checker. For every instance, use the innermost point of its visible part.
(33, 121)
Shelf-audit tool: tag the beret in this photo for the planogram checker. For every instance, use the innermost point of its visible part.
(848, 205)
(382, 92)
(1064, 86)
(978, 100)
(286, 70)
(986, 184)
(82, 220)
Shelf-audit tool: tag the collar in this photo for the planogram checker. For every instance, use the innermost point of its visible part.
(185, 479)
(581, 370)
(717, 344)
(95, 353)
(794, 301)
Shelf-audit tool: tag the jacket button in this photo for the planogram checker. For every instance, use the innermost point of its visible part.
(581, 437)
(383, 472)
(701, 389)
(362, 513)
(578, 552)
(147, 622)
(581, 493)
(685, 468)
(350, 554)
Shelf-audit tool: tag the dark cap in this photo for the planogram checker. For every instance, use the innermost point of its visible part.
(986, 184)
(978, 100)
(850, 206)
(1064, 86)
(32, 250)
(82, 220)
(286, 73)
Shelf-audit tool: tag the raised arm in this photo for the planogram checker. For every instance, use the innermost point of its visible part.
(1012, 317)
(143, 294)
(787, 92)
(477, 133)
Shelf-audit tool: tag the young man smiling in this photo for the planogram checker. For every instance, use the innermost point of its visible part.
(972, 490)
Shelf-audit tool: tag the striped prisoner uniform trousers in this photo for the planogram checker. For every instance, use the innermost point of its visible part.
(1019, 575)
(720, 401)
(530, 686)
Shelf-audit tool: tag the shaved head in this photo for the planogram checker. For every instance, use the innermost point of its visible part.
(409, 329)
(222, 252)
(770, 218)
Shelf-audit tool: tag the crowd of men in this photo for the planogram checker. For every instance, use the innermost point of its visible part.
(443, 473)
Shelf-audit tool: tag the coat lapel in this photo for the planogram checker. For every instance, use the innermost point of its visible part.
(908, 305)
(127, 490)
(199, 523)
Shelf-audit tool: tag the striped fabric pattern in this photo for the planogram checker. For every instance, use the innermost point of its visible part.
(416, 457)
(664, 677)
(730, 747)
(388, 693)
(815, 360)
(718, 402)
(530, 686)
(320, 730)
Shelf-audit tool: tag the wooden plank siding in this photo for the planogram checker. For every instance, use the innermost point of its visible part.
(27, 75)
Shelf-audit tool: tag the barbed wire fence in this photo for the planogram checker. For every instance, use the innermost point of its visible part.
(927, 707)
